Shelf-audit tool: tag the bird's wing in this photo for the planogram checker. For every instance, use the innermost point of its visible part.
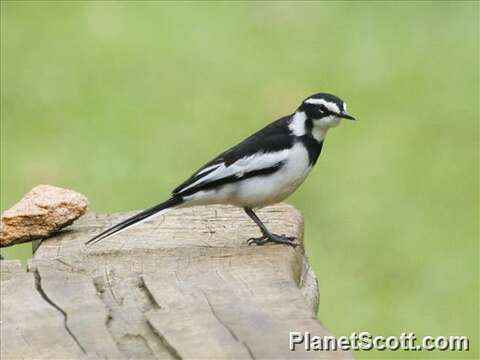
(261, 154)
(244, 168)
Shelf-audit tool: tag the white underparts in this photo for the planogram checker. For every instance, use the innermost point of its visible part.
(319, 133)
(259, 191)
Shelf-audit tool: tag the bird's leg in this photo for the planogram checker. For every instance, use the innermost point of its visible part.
(267, 236)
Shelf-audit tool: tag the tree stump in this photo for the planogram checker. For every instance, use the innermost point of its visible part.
(182, 286)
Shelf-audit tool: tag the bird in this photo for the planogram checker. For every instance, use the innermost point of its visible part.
(263, 169)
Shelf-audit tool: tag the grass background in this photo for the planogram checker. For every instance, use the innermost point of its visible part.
(121, 101)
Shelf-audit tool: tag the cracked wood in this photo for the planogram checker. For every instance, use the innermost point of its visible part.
(182, 286)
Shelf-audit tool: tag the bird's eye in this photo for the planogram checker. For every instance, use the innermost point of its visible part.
(322, 109)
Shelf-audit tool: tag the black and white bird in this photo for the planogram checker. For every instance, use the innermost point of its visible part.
(263, 169)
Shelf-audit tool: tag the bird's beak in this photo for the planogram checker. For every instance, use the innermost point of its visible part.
(344, 115)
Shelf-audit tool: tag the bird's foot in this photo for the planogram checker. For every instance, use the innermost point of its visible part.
(277, 239)
(257, 241)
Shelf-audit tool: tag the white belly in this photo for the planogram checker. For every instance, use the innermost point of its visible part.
(270, 189)
(262, 190)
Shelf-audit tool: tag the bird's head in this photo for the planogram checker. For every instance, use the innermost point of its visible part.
(325, 110)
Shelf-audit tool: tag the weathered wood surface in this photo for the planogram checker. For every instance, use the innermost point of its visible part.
(182, 286)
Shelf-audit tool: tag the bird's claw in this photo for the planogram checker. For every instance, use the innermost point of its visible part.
(277, 239)
(257, 241)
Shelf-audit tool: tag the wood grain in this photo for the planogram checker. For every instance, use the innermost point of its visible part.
(182, 286)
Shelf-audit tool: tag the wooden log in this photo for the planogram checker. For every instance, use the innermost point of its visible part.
(9, 269)
(182, 286)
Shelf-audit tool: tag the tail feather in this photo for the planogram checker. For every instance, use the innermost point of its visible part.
(136, 219)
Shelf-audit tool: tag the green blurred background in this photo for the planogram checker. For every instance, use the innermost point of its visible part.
(121, 101)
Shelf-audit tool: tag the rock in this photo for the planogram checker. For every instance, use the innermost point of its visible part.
(42, 212)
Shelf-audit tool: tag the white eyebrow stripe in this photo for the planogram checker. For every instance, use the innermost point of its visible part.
(329, 105)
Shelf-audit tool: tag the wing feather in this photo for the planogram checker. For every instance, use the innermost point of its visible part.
(258, 164)
(261, 153)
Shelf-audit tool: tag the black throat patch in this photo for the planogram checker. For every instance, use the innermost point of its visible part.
(314, 147)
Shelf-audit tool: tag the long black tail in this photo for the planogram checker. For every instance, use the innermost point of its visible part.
(136, 219)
